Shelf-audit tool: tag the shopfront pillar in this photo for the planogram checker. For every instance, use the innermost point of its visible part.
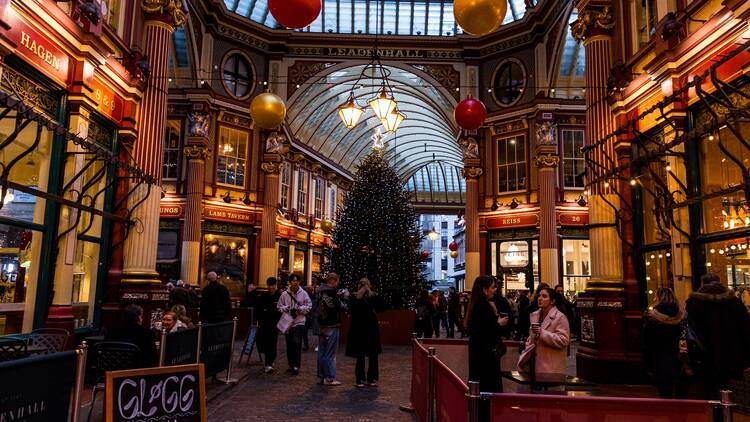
(160, 19)
(268, 254)
(547, 161)
(471, 218)
(195, 152)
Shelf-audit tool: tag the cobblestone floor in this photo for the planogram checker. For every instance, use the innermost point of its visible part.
(282, 397)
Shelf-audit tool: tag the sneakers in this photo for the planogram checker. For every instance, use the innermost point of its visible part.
(269, 369)
(372, 384)
(360, 384)
(331, 382)
(295, 371)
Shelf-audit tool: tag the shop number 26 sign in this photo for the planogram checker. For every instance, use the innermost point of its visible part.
(169, 394)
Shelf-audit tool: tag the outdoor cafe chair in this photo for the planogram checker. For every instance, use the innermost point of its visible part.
(50, 340)
(111, 356)
(12, 348)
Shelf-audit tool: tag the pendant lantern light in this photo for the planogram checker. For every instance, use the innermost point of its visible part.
(383, 104)
(350, 113)
(393, 120)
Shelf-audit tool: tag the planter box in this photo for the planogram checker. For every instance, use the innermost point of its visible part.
(396, 327)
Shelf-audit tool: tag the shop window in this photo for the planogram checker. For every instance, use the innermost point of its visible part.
(238, 75)
(302, 191)
(284, 180)
(283, 257)
(317, 260)
(110, 12)
(170, 169)
(85, 271)
(19, 264)
(299, 266)
(576, 257)
(514, 254)
(511, 164)
(230, 169)
(319, 195)
(226, 256)
(645, 13)
(508, 82)
(168, 245)
(332, 203)
(573, 161)
(730, 260)
(658, 272)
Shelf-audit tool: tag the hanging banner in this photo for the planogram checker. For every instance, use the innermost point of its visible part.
(172, 393)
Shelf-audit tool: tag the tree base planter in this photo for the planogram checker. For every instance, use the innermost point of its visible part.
(396, 327)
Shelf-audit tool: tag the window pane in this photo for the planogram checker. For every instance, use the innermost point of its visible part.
(226, 255)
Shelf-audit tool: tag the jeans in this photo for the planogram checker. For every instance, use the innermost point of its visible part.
(372, 370)
(294, 346)
(328, 342)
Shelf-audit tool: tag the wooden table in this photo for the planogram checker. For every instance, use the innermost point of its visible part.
(545, 381)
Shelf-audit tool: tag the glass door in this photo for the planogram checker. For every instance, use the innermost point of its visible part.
(516, 263)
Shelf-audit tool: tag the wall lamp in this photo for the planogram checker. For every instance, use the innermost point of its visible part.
(227, 197)
(581, 201)
(246, 199)
(514, 204)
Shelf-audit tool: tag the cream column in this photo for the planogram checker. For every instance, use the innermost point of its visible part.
(139, 254)
(548, 244)
(268, 252)
(191, 239)
(471, 218)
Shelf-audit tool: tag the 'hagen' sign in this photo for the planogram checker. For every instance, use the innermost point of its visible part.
(36, 48)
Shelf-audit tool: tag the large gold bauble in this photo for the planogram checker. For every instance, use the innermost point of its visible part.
(268, 110)
(479, 17)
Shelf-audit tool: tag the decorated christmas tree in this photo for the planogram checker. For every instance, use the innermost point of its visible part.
(377, 235)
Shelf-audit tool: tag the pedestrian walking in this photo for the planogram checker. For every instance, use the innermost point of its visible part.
(294, 304)
(662, 328)
(546, 349)
(330, 305)
(215, 301)
(268, 318)
(425, 310)
(364, 334)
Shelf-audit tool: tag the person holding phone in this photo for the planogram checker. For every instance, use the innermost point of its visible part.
(503, 309)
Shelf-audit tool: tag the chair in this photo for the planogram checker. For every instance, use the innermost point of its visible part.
(12, 348)
(52, 340)
(111, 356)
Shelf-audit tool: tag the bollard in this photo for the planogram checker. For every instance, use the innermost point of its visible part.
(431, 353)
(200, 342)
(231, 353)
(82, 354)
(726, 406)
(162, 347)
(474, 397)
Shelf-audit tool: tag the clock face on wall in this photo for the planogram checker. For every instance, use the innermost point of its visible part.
(508, 82)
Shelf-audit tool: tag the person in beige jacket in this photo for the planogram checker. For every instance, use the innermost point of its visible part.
(549, 337)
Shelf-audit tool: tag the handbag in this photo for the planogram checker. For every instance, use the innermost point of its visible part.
(524, 361)
(285, 323)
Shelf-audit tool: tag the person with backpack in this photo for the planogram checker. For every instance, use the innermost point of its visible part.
(294, 304)
(330, 305)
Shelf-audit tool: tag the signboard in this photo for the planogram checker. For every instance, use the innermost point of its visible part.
(172, 393)
(573, 218)
(216, 346)
(37, 389)
(180, 347)
(171, 210)
(37, 48)
(513, 221)
(229, 215)
(286, 232)
(108, 103)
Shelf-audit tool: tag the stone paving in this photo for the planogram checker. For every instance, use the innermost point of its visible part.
(283, 397)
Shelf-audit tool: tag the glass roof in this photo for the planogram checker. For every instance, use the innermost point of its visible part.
(427, 135)
(396, 17)
(573, 59)
(437, 182)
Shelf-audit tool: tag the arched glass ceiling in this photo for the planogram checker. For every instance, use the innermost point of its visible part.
(573, 60)
(427, 135)
(391, 17)
(437, 182)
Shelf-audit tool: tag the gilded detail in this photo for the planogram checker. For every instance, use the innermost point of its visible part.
(591, 19)
(270, 167)
(471, 172)
(173, 8)
(196, 152)
(547, 160)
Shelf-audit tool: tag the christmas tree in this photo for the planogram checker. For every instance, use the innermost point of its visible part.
(377, 235)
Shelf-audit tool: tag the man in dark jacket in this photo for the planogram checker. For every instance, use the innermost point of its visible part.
(268, 317)
(215, 301)
(132, 331)
(330, 306)
(722, 325)
(454, 312)
(180, 295)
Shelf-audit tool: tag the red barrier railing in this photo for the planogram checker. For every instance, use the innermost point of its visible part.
(450, 394)
(420, 383)
(550, 408)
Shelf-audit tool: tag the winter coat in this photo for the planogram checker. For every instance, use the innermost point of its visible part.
(329, 307)
(268, 312)
(722, 324)
(301, 303)
(484, 335)
(552, 343)
(215, 303)
(503, 307)
(364, 333)
(662, 328)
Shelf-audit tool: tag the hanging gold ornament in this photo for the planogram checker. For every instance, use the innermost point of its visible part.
(268, 110)
(479, 17)
(454, 254)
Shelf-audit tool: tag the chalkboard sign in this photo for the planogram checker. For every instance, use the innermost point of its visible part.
(37, 389)
(173, 393)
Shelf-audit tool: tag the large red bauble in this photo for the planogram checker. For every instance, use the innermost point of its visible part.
(425, 254)
(294, 14)
(470, 114)
(453, 246)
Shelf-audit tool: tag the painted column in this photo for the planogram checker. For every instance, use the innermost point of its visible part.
(471, 218)
(160, 19)
(268, 253)
(195, 154)
(547, 161)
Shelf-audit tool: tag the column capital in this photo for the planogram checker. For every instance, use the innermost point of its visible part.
(271, 167)
(593, 19)
(172, 12)
(471, 172)
(547, 160)
(196, 152)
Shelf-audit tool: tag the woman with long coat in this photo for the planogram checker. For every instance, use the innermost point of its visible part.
(549, 336)
(364, 336)
(485, 330)
(662, 328)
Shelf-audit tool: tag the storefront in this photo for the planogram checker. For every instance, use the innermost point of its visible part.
(575, 252)
(169, 250)
(513, 249)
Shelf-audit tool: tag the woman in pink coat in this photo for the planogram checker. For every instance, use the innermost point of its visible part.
(549, 337)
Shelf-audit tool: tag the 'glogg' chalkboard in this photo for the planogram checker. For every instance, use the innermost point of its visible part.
(168, 394)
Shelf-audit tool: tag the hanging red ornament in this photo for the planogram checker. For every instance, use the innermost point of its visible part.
(425, 254)
(470, 114)
(294, 14)
(453, 246)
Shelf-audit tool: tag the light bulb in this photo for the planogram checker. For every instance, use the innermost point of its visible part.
(9, 197)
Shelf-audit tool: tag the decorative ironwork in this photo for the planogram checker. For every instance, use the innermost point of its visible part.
(445, 74)
(301, 71)
(29, 91)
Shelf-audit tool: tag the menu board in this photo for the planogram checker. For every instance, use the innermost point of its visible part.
(173, 393)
